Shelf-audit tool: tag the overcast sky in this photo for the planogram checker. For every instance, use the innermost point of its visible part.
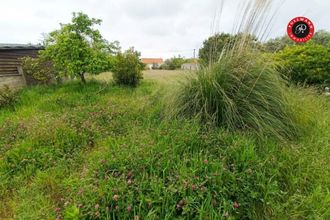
(157, 28)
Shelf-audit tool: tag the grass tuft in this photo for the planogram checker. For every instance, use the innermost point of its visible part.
(239, 92)
(242, 90)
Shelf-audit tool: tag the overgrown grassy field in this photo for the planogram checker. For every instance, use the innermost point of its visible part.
(99, 151)
(161, 76)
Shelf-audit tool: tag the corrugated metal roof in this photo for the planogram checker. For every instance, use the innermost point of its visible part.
(20, 47)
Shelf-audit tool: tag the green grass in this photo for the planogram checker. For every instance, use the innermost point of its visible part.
(105, 152)
(241, 91)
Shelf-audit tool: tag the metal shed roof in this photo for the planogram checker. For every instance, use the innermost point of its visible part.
(20, 47)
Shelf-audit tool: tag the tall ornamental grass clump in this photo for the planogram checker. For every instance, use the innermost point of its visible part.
(242, 90)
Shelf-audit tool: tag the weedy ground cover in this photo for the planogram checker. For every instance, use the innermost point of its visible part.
(105, 152)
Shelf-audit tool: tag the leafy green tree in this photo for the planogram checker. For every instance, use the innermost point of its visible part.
(307, 63)
(277, 44)
(212, 48)
(77, 48)
(215, 45)
(322, 37)
(128, 68)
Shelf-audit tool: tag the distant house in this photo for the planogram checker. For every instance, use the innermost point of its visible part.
(152, 63)
(192, 65)
(11, 73)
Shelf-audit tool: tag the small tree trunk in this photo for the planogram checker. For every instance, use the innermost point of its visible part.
(82, 77)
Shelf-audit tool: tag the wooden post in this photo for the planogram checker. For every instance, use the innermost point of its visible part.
(21, 72)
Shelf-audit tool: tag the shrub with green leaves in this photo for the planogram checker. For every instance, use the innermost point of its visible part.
(128, 68)
(242, 91)
(8, 97)
(38, 70)
(174, 63)
(306, 64)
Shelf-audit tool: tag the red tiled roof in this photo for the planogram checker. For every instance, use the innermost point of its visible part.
(152, 60)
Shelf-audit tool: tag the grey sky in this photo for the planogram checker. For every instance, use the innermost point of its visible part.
(157, 28)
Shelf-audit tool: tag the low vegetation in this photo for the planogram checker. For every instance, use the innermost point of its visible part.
(101, 151)
(8, 97)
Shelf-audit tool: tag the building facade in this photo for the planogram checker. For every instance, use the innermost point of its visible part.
(11, 73)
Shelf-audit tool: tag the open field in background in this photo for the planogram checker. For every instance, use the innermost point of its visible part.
(100, 151)
(163, 76)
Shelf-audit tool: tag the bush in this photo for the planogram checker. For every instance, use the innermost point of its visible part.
(8, 97)
(307, 64)
(242, 91)
(128, 69)
(38, 70)
(173, 63)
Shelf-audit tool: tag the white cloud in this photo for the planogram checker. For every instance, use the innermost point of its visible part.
(158, 28)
